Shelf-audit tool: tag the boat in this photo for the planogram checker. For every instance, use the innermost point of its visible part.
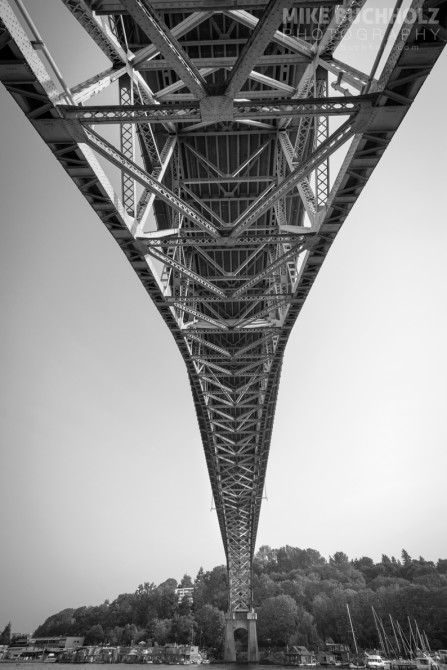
(51, 658)
(375, 661)
(425, 662)
(402, 664)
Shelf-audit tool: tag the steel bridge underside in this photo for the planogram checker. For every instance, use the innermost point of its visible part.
(230, 211)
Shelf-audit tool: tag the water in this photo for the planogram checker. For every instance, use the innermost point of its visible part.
(31, 665)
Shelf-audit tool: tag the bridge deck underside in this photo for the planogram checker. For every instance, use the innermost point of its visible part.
(234, 213)
(222, 170)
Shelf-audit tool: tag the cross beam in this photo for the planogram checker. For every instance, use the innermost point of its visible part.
(181, 113)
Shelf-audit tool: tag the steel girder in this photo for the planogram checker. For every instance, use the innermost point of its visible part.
(226, 206)
(182, 113)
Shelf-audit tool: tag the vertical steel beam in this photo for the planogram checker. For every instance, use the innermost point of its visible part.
(127, 145)
(321, 135)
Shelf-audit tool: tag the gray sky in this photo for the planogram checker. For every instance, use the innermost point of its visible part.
(103, 481)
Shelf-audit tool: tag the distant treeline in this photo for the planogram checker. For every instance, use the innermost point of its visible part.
(300, 598)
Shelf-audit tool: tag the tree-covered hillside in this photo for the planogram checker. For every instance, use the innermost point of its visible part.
(300, 598)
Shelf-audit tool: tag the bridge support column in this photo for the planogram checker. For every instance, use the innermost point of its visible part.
(246, 621)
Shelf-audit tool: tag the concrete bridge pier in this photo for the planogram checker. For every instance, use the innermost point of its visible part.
(246, 621)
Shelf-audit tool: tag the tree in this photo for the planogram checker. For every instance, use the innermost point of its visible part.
(145, 607)
(329, 611)
(265, 559)
(314, 558)
(277, 620)
(306, 631)
(390, 568)
(316, 591)
(289, 558)
(211, 588)
(62, 623)
(95, 634)
(368, 568)
(115, 636)
(144, 589)
(199, 576)
(170, 584)
(161, 630)
(339, 559)
(294, 588)
(406, 558)
(130, 634)
(182, 630)
(321, 608)
(186, 582)
(184, 606)
(292, 558)
(210, 623)
(5, 636)
(86, 617)
(263, 587)
(167, 605)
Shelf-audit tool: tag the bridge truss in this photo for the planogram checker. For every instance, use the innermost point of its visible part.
(226, 125)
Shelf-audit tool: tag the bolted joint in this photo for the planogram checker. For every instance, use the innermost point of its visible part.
(217, 108)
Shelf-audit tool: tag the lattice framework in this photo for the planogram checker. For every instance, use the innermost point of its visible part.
(231, 120)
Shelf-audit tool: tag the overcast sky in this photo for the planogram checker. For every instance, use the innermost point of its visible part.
(103, 481)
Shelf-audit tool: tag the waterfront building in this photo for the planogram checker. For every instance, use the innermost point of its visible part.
(27, 647)
(341, 652)
(326, 658)
(300, 656)
(57, 643)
